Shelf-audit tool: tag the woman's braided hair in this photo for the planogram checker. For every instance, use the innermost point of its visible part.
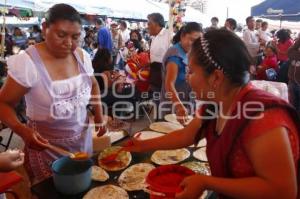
(223, 50)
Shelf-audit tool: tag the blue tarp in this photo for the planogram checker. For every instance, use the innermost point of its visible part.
(290, 8)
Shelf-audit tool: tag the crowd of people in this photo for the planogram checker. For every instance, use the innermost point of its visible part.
(64, 67)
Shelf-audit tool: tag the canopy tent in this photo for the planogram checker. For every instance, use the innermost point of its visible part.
(278, 9)
(192, 14)
(129, 9)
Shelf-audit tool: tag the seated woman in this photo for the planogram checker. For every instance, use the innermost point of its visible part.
(252, 136)
(269, 62)
(175, 92)
(110, 82)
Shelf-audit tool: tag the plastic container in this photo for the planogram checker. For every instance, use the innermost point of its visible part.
(164, 181)
(72, 176)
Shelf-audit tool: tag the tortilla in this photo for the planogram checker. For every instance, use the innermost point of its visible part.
(134, 177)
(197, 167)
(99, 174)
(201, 143)
(165, 127)
(122, 161)
(145, 135)
(200, 154)
(173, 118)
(106, 192)
(165, 157)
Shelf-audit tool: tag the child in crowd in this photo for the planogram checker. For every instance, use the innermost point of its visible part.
(269, 67)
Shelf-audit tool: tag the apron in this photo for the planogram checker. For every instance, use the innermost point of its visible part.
(68, 126)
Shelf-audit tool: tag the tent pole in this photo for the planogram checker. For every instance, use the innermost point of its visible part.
(3, 32)
(171, 18)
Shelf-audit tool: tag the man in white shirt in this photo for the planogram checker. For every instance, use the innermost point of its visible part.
(159, 45)
(263, 33)
(125, 33)
(251, 39)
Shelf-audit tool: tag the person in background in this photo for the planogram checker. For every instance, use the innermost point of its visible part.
(8, 43)
(258, 24)
(19, 38)
(294, 75)
(269, 62)
(102, 62)
(282, 44)
(136, 35)
(175, 94)
(56, 78)
(230, 24)
(31, 41)
(159, 45)
(214, 23)
(124, 32)
(104, 38)
(263, 33)
(261, 152)
(36, 33)
(251, 39)
(117, 40)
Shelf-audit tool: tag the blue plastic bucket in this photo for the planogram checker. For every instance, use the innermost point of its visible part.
(72, 176)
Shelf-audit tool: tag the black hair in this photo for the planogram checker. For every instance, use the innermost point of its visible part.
(136, 45)
(228, 51)
(62, 12)
(283, 35)
(259, 21)
(157, 18)
(36, 28)
(215, 19)
(123, 23)
(138, 34)
(264, 23)
(187, 29)
(232, 23)
(102, 61)
(99, 21)
(273, 48)
(248, 19)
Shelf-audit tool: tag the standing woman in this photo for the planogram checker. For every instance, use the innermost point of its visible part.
(282, 45)
(56, 78)
(175, 89)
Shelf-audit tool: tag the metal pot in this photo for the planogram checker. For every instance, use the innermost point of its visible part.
(72, 176)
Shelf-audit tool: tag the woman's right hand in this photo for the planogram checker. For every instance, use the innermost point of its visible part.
(34, 140)
(135, 145)
(181, 114)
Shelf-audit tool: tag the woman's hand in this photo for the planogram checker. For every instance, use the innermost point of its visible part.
(193, 187)
(100, 126)
(10, 160)
(34, 140)
(181, 114)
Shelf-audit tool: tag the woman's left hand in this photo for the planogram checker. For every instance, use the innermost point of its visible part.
(193, 187)
(100, 126)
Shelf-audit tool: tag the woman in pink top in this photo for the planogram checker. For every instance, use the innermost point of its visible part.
(56, 78)
(283, 44)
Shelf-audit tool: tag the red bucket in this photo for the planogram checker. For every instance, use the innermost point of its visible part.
(164, 181)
